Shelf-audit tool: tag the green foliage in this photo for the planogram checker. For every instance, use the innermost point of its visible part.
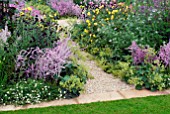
(149, 76)
(115, 29)
(121, 69)
(28, 91)
(34, 33)
(72, 84)
(7, 62)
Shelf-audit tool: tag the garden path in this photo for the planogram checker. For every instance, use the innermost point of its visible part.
(102, 82)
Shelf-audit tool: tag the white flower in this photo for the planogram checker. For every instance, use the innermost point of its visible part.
(5, 34)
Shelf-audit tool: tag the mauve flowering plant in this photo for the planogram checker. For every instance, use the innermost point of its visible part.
(140, 55)
(18, 4)
(44, 64)
(164, 54)
(52, 61)
(66, 7)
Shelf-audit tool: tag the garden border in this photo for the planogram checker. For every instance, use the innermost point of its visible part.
(89, 98)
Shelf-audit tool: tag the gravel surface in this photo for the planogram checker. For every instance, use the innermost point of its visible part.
(102, 81)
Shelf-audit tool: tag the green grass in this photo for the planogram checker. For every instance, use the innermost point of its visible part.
(147, 105)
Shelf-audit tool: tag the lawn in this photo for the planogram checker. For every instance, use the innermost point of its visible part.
(147, 105)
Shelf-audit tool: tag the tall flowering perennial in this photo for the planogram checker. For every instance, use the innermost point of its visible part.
(137, 53)
(66, 7)
(53, 60)
(25, 61)
(45, 63)
(164, 54)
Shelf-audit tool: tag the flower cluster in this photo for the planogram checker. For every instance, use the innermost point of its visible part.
(66, 7)
(137, 53)
(37, 91)
(43, 63)
(164, 54)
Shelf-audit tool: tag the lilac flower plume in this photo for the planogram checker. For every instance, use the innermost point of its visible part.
(66, 7)
(137, 53)
(164, 54)
(38, 63)
(53, 60)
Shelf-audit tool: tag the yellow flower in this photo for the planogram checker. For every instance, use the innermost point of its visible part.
(93, 11)
(55, 14)
(88, 14)
(114, 11)
(29, 8)
(107, 9)
(97, 10)
(21, 13)
(81, 35)
(95, 24)
(90, 35)
(91, 40)
(89, 24)
(86, 31)
(87, 21)
(121, 4)
(81, 6)
(93, 19)
(94, 35)
(102, 6)
(112, 17)
(107, 19)
(109, 12)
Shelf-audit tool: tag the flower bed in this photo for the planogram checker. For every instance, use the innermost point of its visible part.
(35, 63)
(109, 29)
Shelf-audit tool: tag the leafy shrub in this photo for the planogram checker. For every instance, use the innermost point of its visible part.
(150, 77)
(148, 71)
(28, 91)
(34, 33)
(72, 84)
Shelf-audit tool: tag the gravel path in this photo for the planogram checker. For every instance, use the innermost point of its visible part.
(102, 81)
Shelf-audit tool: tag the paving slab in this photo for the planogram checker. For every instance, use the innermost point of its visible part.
(140, 93)
(40, 105)
(96, 97)
(168, 91)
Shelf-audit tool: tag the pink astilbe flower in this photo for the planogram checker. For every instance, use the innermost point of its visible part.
(43, 64)
(164, 54)
(53, 60)
(25, 61)
(137, 53)
(66, 7)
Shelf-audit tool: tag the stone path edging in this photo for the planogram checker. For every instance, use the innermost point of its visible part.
(88, 98)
